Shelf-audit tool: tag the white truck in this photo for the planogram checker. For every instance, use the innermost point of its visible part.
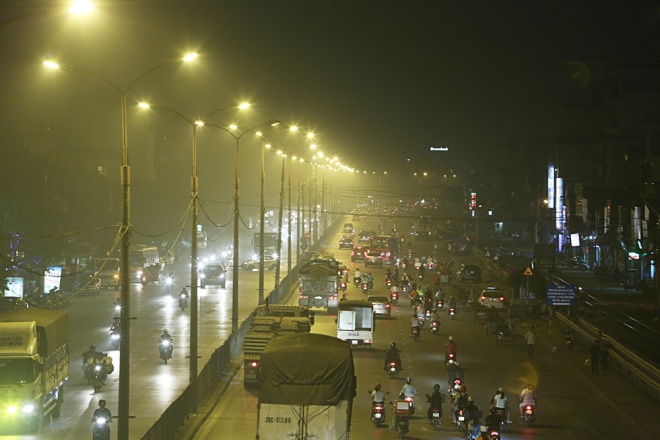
(34, 363)
(356, 323)
(306, 388)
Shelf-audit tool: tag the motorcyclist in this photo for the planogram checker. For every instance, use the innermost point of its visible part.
(459, 402)
(377, 396)
(428, 295)
(435, 401)
(394, 289)
(493, 420)
(388, 274)
(357, 275)
(527, 397)
(453, 372)
(102, 412)
(471, 411)
(165, 336)
(370, 280)
(408, 390)
(343, 297)
(393, 354)
(434, 316)
(184, 292)
(91, 353)
(450, 346)
(500, 403)
(414, 322)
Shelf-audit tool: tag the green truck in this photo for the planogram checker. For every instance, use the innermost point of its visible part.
(306, 388)
(34, 363)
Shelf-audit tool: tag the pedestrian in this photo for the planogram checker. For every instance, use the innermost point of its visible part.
(595, 357)
(530, 337)
(605, 357)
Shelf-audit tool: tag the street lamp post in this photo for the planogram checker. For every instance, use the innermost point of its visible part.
(194, 243)
(237, 216)
(125, 232)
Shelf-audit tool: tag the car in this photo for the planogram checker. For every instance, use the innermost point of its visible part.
(253, 263)
(469, 273)
(381, 305)
(10, 303)
(365, 236)
(349, 230)
(214, 274)
(373, 258)
(346, 243)
(492, 297)
(357, 254)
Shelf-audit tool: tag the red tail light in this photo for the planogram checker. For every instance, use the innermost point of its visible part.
(501, 299)
(254, 364)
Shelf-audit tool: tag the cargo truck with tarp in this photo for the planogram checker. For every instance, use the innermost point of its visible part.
(306, 388)
(319, 284)
(34, 362)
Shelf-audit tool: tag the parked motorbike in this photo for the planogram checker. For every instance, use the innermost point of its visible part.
(101, 430)
(435, 327)
(165, 349)
(183, 301)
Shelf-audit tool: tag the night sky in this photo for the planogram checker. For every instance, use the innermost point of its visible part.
(377, 81)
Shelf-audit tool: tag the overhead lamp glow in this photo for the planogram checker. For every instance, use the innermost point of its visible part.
(51, 64)
(189, 57)
(81, 7)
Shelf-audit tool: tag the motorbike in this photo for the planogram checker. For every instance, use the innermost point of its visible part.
(117, 308)
(435, 327)
(165, 349)
(101, 429)
(452, 312)
(405, 288)
(427, 314)
(439, 304)
(183, 301)
(456, 386)
(460, 420)
(411, 404)
(144, 280)
(357, 281)
(342, 286)
(569, 341)
(529, 414)
(96, 378)
(365, 287)
(402, 424)
(504, 337)
(450, 357)
(378, 412)
(392, 368)
(415, 333)
(436, 418)
(394, 297)
(115, 338)
(493, 434)
(388, 282)
(169, 281)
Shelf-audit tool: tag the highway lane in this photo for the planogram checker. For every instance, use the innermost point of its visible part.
(573, 403)
(154, 385)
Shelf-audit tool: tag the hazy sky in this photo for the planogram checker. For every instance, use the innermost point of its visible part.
(378, 81)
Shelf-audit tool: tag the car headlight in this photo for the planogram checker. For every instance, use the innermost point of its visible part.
(11, 409)
(27, 409)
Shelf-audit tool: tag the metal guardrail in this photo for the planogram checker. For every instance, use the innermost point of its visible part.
(634, 368)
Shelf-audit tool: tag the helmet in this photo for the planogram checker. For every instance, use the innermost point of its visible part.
(483, 428)
(436, 387)
(393, 344)
(470, 399)
(102, 402)
(451, 338)
(377, 387)
(408, 380)
(500, 390)
(92, 347)
(165, 330)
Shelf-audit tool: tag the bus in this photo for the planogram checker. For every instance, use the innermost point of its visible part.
(270, 245)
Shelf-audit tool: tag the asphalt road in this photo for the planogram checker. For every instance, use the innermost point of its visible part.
(573, 403)
(154, 385)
